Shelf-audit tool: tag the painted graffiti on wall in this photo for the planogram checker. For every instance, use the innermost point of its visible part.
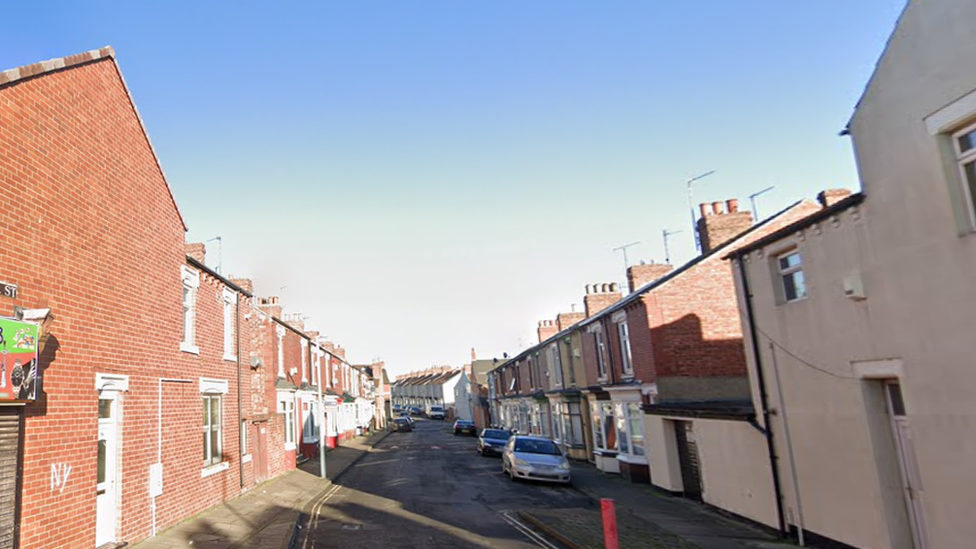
(59, 476)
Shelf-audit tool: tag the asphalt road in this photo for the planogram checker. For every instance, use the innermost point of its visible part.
(429, 489)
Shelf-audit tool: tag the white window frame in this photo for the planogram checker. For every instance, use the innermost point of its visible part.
(555, 360)
(626, 415)
(627, 361)
(599, 341)
(230, 307)
(310, 426)
(599, 409)
(212, 457)
(789, 272)
(191, 283)
(286, 407)
(963, 159)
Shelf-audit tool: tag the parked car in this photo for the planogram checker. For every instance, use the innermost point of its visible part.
(406, 416)
(535, 458)
(465, 427)
(415, 411)
(402, 425)
(492, 441)
(436, 412)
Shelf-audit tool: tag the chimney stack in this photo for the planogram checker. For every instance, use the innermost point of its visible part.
(722, 226)
(599, 297)
(270, 305)
(565, 320)
(640, 275)
(829, 197)
(198, 251)
(244, 283)
(546, 329)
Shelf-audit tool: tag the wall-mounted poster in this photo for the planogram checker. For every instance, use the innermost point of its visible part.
(18, 360)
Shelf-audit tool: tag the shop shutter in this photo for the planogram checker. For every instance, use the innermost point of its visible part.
(9, 474)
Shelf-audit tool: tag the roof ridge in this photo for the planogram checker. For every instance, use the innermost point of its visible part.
(43, 67)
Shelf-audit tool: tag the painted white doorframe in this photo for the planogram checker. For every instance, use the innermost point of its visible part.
(107, 511)
(911, 478)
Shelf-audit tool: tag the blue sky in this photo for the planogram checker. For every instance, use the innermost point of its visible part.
(426, 177)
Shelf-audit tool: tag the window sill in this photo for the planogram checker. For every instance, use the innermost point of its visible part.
(246, 458)
(290, 446)
(632, 459)
(189, 348)
(230, 358)
(214, 469)
(797, 300)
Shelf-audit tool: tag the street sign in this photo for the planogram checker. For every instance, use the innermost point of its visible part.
(8, 290)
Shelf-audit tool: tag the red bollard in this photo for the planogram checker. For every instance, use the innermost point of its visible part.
(609, 524)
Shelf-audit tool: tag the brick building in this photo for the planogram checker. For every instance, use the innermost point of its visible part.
(100, 243)
(675, 338)
(139, 345)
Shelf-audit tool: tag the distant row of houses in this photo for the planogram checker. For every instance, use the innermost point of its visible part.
(124, 346)
(813, 372)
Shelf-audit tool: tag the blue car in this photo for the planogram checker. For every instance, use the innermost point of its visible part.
(492, 441)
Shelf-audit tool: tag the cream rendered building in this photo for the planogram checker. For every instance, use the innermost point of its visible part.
(864, 319)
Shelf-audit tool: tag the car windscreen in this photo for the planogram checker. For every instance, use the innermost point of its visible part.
(530, 446)
(497, 434)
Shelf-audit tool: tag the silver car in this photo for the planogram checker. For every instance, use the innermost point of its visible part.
(535, 458)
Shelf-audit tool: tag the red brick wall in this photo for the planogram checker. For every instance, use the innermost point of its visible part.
(90, 230)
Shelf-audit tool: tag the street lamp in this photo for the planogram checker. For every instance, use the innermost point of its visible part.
(691, 206)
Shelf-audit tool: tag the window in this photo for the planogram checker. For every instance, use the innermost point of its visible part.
(630, 428)
(211, 431)
(604, 427)
(601, 356)
(310, 429)
(790, 267)
(532, 379)
(191, 281)
(965, 148)
(286, 406)
(230, 306)
(556, 363)
(624, 335)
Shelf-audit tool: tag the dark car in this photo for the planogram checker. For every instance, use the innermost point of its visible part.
(492, 441)
(402, 425)
(465, 427)
(414, 411)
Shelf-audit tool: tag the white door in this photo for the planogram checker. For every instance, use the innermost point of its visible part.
(911, 478)
(107, 485)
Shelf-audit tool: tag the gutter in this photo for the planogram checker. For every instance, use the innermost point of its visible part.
(763, 400)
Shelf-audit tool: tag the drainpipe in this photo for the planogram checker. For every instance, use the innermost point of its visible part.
(240, 407)
(763, 399)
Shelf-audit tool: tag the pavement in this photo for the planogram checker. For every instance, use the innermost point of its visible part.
(646, 519)
(267, 516)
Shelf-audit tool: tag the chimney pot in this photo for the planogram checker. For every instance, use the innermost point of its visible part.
(704, 209)
(717, 208)
(732, 205)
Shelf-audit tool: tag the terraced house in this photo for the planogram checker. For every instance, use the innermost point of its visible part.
(113, 326)
(594, 385)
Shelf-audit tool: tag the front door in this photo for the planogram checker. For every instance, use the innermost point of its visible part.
(107, 475)
(911, 478)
